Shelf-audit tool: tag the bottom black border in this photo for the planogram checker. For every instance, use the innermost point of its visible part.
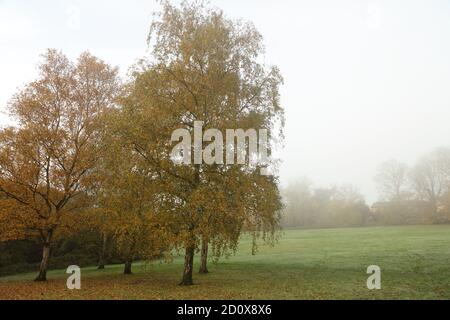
(223, 309)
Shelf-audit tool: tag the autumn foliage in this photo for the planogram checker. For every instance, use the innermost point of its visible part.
(47, 160)
(88, 150)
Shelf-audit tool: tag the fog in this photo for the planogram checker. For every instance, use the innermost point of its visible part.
(365, 81)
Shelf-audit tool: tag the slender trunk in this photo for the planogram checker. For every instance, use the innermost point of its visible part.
(190, 245)
(434, 207)
(188, 266)
(42, 276)
(101, 263)
(204, 257)
(127, 269)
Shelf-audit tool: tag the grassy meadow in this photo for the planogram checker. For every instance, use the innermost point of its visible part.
(305, 264)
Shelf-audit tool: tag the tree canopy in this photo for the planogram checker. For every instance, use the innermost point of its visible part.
(47, 160)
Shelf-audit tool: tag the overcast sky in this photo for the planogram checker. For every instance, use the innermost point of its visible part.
(365, 81)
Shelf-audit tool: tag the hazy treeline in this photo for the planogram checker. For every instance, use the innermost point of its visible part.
(408, 195)
(306, 206)
(419, 194)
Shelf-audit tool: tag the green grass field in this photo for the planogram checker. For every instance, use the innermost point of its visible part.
(305, 264)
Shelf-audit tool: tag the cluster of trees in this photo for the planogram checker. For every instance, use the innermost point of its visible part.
(92, 153)
(310, 207)
(82, 248)
(418, 194)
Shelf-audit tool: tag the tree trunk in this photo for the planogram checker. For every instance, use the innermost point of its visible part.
(204, 257)
(127, 269)
(101, 262)
(42, 276)
(188, 266)
(434, 207)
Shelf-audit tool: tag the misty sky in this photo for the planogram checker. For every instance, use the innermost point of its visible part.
(365, 81)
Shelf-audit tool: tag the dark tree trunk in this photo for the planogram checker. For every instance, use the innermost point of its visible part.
(188, 266)
(102, 255)
(127, 269)
(204, 257)
(42, 276)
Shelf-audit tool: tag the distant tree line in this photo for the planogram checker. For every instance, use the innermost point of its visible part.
(309, 207)
(415, 195)
(408, 196)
